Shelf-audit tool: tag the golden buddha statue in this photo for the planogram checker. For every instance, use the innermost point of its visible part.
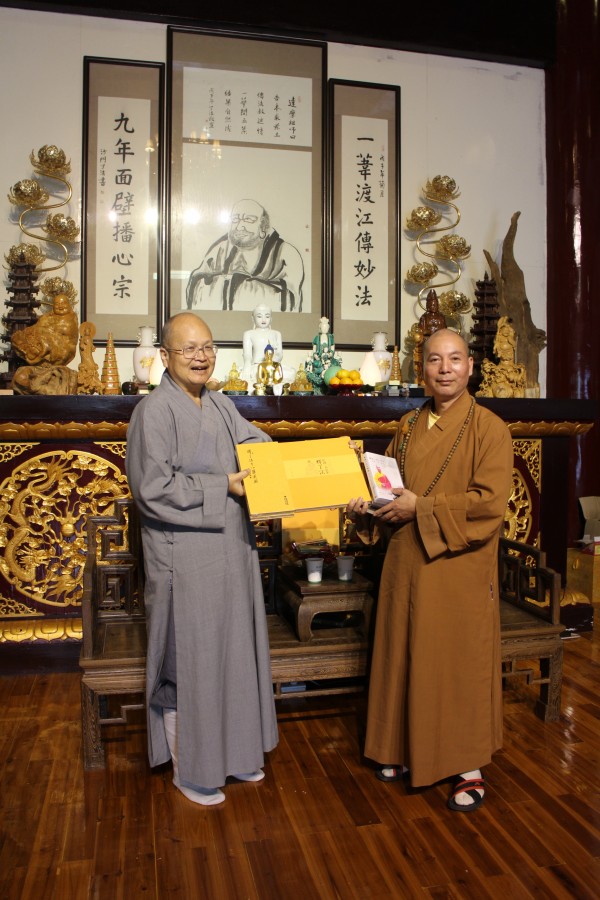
(507, 378)
(47, 347)
(269, 375)
(235, 383)
(301, 384)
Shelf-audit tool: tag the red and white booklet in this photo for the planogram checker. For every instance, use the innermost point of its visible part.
(382, 474)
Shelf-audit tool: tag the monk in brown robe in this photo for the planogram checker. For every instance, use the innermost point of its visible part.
(435, 703)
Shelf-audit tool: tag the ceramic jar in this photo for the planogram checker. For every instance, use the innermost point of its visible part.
(144, 353)
(382, 355)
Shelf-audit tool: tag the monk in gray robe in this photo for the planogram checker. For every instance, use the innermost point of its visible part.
(209, 690)
(435, 703)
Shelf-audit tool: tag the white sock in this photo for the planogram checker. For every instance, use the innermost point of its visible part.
(463, 798)
(389, 772)
(251, 776)
(201, 795)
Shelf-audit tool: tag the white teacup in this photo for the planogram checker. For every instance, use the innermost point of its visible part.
(314, 569)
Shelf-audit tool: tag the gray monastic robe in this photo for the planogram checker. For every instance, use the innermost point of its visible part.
(435, 702)
(198, 539)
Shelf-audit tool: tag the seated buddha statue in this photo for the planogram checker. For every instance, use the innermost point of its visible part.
(301, 384)
(269, 375)
(47, 347)
(235, 382)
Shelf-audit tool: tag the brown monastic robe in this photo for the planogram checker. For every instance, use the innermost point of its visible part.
(435, 702)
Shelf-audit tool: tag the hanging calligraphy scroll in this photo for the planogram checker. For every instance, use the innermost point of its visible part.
(364, 211)
(246, 181)
(122, 162)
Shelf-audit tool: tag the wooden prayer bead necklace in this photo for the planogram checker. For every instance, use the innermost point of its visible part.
(411, 424)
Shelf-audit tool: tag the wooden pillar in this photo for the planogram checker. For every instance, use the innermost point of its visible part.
(573, 158)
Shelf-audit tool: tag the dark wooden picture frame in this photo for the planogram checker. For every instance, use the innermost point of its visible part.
(123, 249)
(364, 211)
(246, 128)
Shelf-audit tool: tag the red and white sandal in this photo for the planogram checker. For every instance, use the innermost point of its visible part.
(470, 786)
(397, 773)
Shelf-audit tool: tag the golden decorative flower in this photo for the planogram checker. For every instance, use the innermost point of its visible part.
(61, 227)
(29, 253)
(454, 303)
(51, 160)
(422, 273)
(28, 192)
(414, 336)
(442, 188)
(423, 217)
(50, 287)
(452, 246)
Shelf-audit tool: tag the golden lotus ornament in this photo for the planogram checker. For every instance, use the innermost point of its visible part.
(50, 160)
(449, 250)
(452, 246)
(29, 253)
(442, 188)
(28, 192)
(50, 287)
(422, 273)
(412, 338)
(423, 217)
(61, 227)
(454, 303)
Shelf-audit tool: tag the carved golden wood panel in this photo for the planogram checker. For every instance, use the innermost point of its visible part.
(47, 491)
(523, 511)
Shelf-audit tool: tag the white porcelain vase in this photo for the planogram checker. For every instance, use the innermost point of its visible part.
(369, 371)
(382, 355)
(144, 353)
(156, 369)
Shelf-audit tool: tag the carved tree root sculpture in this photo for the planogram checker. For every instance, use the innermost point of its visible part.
(513, 302)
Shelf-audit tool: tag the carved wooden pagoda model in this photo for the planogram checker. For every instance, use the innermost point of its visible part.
(22, 304)
(485, 324)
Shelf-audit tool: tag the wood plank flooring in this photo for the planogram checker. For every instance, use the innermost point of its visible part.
(319, 826)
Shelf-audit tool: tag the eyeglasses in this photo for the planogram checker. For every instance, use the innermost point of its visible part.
(208, 350)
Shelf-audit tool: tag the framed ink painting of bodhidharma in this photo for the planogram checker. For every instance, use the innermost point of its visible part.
(246, 181)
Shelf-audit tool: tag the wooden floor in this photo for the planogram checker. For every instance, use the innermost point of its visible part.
(319, 826)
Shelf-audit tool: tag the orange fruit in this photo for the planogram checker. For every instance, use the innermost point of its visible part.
(342, 373)
(355, 376)
(333, 381)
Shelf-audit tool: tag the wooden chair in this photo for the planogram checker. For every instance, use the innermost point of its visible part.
(113, 653)
(530, 622)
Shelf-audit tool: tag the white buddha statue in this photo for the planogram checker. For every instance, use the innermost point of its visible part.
(256, 339)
